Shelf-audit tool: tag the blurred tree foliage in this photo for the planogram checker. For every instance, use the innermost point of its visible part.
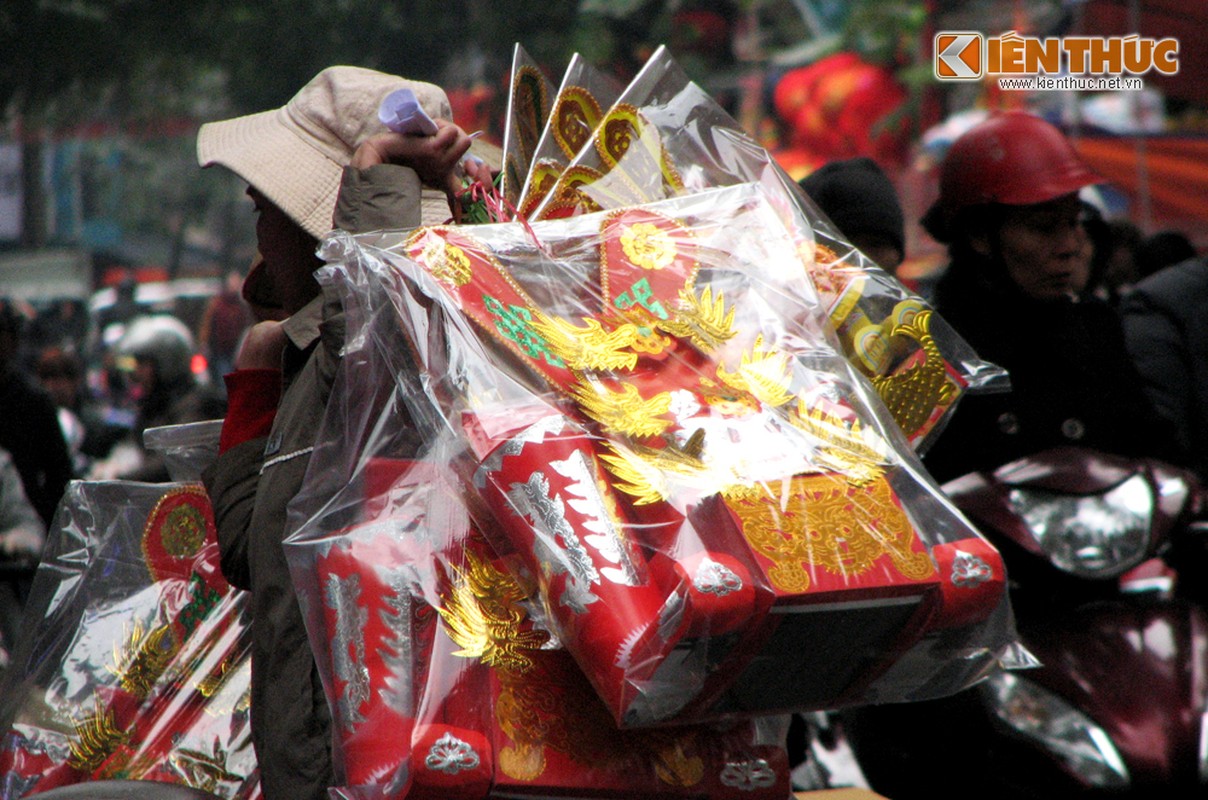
(132, 57)
(148, 71)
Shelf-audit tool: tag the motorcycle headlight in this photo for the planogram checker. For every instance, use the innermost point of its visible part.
(1204, 748)
(1046, 719)
(1092, 536)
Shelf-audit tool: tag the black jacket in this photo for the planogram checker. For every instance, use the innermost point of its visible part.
(1072, 382)
(1166, 328)
(30, 432)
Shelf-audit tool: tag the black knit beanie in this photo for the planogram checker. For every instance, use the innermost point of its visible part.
(858, 197)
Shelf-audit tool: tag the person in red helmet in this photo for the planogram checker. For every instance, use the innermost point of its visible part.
(1011, 216)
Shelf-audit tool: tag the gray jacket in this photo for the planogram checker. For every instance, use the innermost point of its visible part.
(251, 486)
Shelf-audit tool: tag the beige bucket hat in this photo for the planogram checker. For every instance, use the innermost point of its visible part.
(296, 154)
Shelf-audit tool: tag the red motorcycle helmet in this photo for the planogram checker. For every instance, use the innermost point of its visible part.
(1013, 158)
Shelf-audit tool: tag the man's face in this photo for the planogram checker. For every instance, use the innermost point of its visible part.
(288, 251)
(1045, 249)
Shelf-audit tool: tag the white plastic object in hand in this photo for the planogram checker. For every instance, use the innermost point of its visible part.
(401, 113)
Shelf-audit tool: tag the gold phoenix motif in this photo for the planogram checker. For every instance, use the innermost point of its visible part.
(96, 738)
(625, 412)
(763, 374)
(701, 319)
(858, 453)
(143, 658)
(589, 347)
(448, 263)
(483, 616)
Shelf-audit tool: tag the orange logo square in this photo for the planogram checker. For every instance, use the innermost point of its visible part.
(958, 56)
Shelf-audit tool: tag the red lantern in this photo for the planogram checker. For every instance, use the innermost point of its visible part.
(840, 107)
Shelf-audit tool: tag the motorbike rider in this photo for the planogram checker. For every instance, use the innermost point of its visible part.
(157, 352)
(1010, 213)
(1011, 216)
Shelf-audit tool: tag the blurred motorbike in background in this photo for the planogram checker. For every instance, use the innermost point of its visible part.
(1103, 556)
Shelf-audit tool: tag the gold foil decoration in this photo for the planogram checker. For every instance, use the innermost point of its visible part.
(446, 262)
(202, 770)
(701, 319)
(623, 127)
(143, 658)
(483, 617)
(223, 696)
(849, 448)
(625, 412)
(527, 713)
(540, 711)
(183, 531)
(96, 738)
(212, 683)
(642, 473)
(675, 767)
(914, 394)
(589, 347)
(576, 115)
(636, 476)
(763, 373)
(615, 135)
(829, 524)
(647, 246)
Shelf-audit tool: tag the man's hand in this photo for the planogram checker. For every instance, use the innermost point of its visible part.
(432, 157)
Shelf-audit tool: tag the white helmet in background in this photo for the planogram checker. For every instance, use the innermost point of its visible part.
(164, 341)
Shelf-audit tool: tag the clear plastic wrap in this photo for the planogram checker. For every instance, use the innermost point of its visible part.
(655, 426)
(529, 101)
(579, 106)
(187, 448)
(134, 657)
(443, 677)
(665, 137)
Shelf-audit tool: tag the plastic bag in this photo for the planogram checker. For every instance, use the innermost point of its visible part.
(443, 678)
(665, 137)
(134, 655)
(654, 417)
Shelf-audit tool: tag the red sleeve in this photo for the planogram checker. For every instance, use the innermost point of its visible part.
(252, 397)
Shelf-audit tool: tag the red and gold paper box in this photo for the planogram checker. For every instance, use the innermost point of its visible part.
(554, 738)
(465, 696)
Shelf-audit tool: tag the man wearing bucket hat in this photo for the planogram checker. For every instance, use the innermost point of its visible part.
(323, 158)
(1010, 212)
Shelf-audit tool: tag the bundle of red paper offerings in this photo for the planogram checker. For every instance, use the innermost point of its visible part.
(445, 682)
(135, 656)
(681, 414)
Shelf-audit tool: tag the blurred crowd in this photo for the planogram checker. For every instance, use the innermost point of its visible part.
(80, 387)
